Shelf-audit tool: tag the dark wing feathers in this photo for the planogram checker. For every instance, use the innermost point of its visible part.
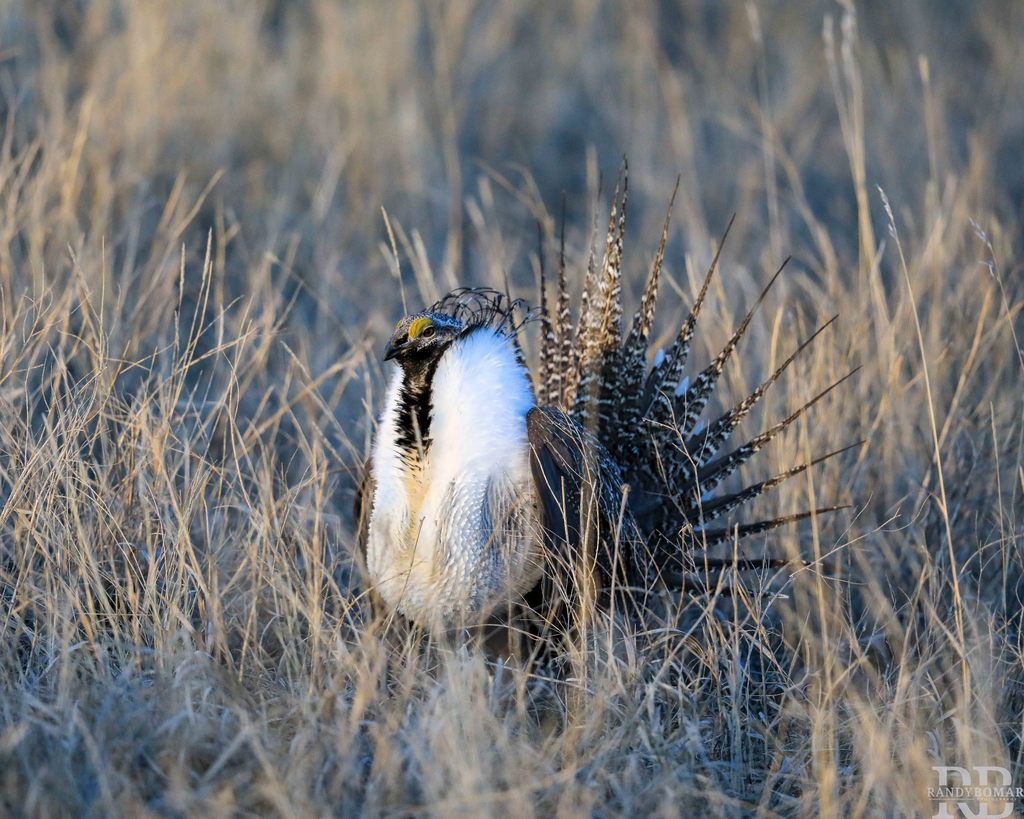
(579, 492)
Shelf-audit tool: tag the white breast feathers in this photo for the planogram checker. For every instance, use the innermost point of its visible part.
(454, 532)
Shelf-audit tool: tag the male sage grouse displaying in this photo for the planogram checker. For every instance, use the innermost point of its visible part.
(488, 484)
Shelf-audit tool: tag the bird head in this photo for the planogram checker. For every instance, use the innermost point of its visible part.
(422, 337)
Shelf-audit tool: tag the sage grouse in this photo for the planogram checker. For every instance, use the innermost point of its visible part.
(488, 484)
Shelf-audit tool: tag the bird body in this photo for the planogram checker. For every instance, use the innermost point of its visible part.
(454, 527)
(595, 473)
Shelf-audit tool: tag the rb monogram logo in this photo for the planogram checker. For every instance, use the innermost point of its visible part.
(985, 794)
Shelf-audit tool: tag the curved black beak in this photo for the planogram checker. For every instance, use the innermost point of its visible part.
(391, 350)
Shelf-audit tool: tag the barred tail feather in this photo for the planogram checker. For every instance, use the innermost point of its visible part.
(691, 404)
(665, 375)
(634, 355)
(600, 329)
(705, 445)
(711, 474)
(708, 511)
(548, 342)
(712, 537)
(558, 395)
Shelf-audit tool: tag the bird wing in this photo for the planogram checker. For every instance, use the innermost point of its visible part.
(589, 532)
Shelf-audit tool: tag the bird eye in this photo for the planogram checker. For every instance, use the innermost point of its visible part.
(429, 332)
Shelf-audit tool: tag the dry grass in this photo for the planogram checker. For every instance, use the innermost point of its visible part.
(195, 286)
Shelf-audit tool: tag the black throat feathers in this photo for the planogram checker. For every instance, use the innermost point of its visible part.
(414, 406)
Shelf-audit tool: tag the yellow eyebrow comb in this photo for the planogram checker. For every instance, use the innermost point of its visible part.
(418, 326)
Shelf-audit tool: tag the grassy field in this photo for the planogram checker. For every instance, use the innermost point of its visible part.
(196, 283)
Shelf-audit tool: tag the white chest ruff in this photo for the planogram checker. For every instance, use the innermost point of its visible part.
(457, 535)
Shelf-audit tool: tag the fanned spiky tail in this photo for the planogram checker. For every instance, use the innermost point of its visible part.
(648, 418)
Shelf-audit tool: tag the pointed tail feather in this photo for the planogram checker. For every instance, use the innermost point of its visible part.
(664, 376)
(599, 333)
(559, 384)
(625, 443)
(548, 341)
(703, 446)
(711, 571)
(691, 404)
(710, 475)
(708, 511)
(710, 537)
(746, 564)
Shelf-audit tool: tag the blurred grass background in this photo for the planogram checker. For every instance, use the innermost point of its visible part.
(196, 281)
